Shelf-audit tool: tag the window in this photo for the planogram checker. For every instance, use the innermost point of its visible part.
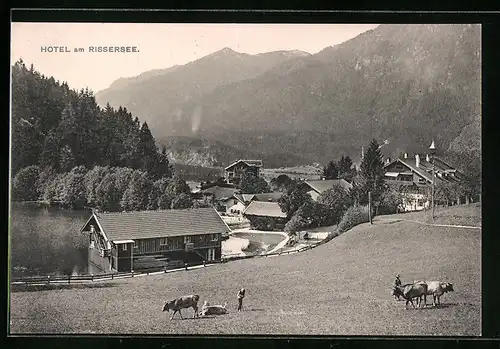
(163, 241)
(176, 243)
(211, 254)
(187, 239)
(214, 237)
(136, 244)
(124, 247)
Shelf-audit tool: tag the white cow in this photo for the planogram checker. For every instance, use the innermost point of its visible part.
(437, 289)
(208, 309)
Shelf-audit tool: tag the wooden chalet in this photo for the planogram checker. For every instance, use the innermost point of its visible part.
(233, 172)
(127, 241)
(414, 175)
(316, 187)
(237, 203)
(218, 196)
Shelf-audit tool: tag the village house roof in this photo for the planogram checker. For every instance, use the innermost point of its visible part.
(246, 198)
(264, 209)
(243, 198)
(252, 163)
(321, 186)
(424, 169)
(219, 193)
(269, 197)
(117, 226)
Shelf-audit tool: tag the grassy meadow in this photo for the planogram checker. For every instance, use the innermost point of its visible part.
(339, 288)
(468, 215)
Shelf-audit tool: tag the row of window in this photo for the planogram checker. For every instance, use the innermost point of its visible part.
(174, 243)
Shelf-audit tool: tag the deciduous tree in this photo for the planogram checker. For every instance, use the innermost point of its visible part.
(294, 197)
(252, 184)
(24, 186)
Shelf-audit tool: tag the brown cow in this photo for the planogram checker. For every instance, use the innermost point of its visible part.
(183, 302)
(411, 291)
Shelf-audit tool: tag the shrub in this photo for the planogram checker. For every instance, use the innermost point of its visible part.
(182, 201)
(353, 216)
(73, 193)
(24, 184)
(262, 223)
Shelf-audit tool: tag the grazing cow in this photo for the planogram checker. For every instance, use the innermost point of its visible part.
(437, 289)
(411, 291)
(183, 302)
(208, 309)
(397, 292)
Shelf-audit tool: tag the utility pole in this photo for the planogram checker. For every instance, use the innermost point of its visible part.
(370, 206)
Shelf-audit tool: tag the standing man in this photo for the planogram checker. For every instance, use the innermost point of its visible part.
(397, 282)
(241, 295)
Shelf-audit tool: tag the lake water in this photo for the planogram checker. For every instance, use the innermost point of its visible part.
(260, 242)
(47, 240)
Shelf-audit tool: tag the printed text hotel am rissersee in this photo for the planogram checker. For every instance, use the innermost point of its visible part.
(91, 49)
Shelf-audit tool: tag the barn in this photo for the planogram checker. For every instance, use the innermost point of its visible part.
(265, 215)
(127, 241)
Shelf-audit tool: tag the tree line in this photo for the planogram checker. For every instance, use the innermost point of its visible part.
(66, 150)
(61, 128)
(103, 187)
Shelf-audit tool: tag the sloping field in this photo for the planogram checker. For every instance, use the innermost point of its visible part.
(469, 215)
(339, 288)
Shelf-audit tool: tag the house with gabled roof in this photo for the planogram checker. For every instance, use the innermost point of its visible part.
(269, 211)
(414, 174)
(237, 203)
(233, 172)
(316, 187)
(120, 241)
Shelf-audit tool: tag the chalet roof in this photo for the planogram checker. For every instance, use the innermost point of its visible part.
(321, 186)
(118, 226)
(243, 198)
(219, 193)
(264, 209)
(424, 169)
(268, 197)
(254, 163)
(247, 197)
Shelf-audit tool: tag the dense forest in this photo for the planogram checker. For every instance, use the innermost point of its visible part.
(67, 150)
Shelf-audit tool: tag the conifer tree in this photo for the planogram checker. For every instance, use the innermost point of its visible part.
(371, 175)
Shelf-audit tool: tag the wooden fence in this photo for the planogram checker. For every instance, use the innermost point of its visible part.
(277, 253)
(68, 279)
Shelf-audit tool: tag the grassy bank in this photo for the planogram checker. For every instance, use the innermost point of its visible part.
(339, 288)
(455, 215)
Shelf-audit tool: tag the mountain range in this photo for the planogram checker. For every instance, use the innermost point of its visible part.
(407, 84)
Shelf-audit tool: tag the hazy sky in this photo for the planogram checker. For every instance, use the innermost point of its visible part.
(160, 45)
